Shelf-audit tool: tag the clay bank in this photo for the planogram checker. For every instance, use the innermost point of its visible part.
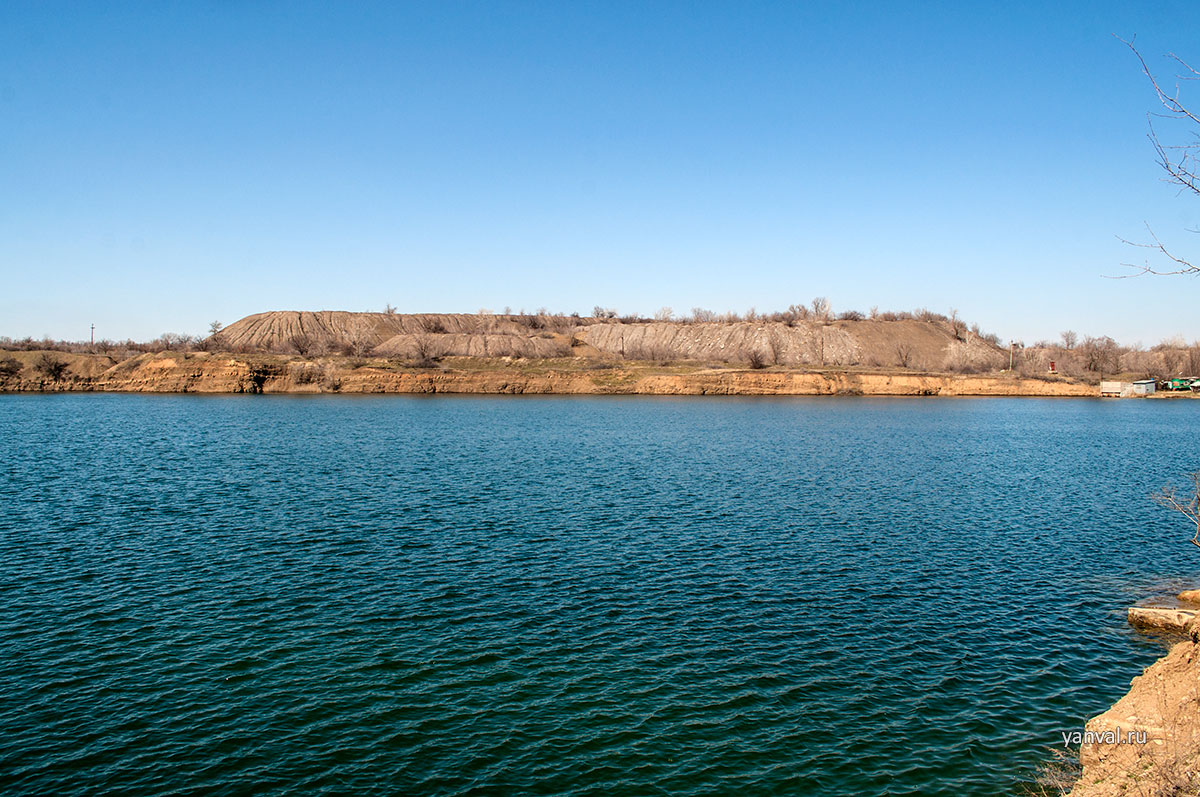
(217, 372)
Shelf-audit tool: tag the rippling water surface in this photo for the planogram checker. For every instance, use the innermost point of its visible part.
(570, 595)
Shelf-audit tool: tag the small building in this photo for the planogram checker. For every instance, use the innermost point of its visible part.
(1143, 387)
(1115, 389)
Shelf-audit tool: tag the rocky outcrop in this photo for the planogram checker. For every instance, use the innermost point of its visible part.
(1148, 743)
(1157, 618)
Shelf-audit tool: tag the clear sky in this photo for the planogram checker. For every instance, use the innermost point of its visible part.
(163, 165)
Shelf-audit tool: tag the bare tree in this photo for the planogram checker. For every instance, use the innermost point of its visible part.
(1101, 354)
(1188, 506)
(821, 309)
(957, 325)
(1069, 339)
(1179, 161)
(389, 309)
(903, 354)
(664, 314)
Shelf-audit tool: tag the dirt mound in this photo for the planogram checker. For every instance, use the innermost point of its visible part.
(916, 344)
(909, 343)
(393, 334)
(327, 330)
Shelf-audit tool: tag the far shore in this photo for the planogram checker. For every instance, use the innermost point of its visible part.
(226, 372)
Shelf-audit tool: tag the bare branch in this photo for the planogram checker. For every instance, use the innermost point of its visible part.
(1178, 161)
(1189, 507)
(1182, 172)
(1169, 101)
(1185, 266)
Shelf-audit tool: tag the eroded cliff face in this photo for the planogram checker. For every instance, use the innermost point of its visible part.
(1148, 743)
(176, 372)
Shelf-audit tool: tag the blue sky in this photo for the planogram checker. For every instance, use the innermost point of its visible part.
(166, 164)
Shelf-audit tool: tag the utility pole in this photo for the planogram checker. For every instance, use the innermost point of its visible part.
(93, 334)
(1011, 345)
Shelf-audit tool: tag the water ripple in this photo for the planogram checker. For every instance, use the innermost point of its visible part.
(568, 596)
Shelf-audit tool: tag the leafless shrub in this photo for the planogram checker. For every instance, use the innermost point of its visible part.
(433, 325)
(50, 366)
(756, 360)
(1186, 505)
(172, 341)
(957, 326)
(358, 343)
(426, 351)
(9, 367)
(305, 373)
(603, 312)
(389, 309)
(1193, 358)
(1172, 362)
(1143, 363)
(924, 314)
(903, 354)
(1058, 776)
(850, 315)
(964, 359)
(664, 314)
(776, 347)
(656, 353)
(631, 319)
(300, 343)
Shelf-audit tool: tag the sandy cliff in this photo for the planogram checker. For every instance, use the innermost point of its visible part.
(179, 372)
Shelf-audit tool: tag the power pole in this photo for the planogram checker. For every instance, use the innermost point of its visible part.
(1011, 345)
(93, 334)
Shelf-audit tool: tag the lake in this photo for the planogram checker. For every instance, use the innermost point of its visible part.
(572, 595)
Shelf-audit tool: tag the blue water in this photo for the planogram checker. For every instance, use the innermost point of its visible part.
(568, 595)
